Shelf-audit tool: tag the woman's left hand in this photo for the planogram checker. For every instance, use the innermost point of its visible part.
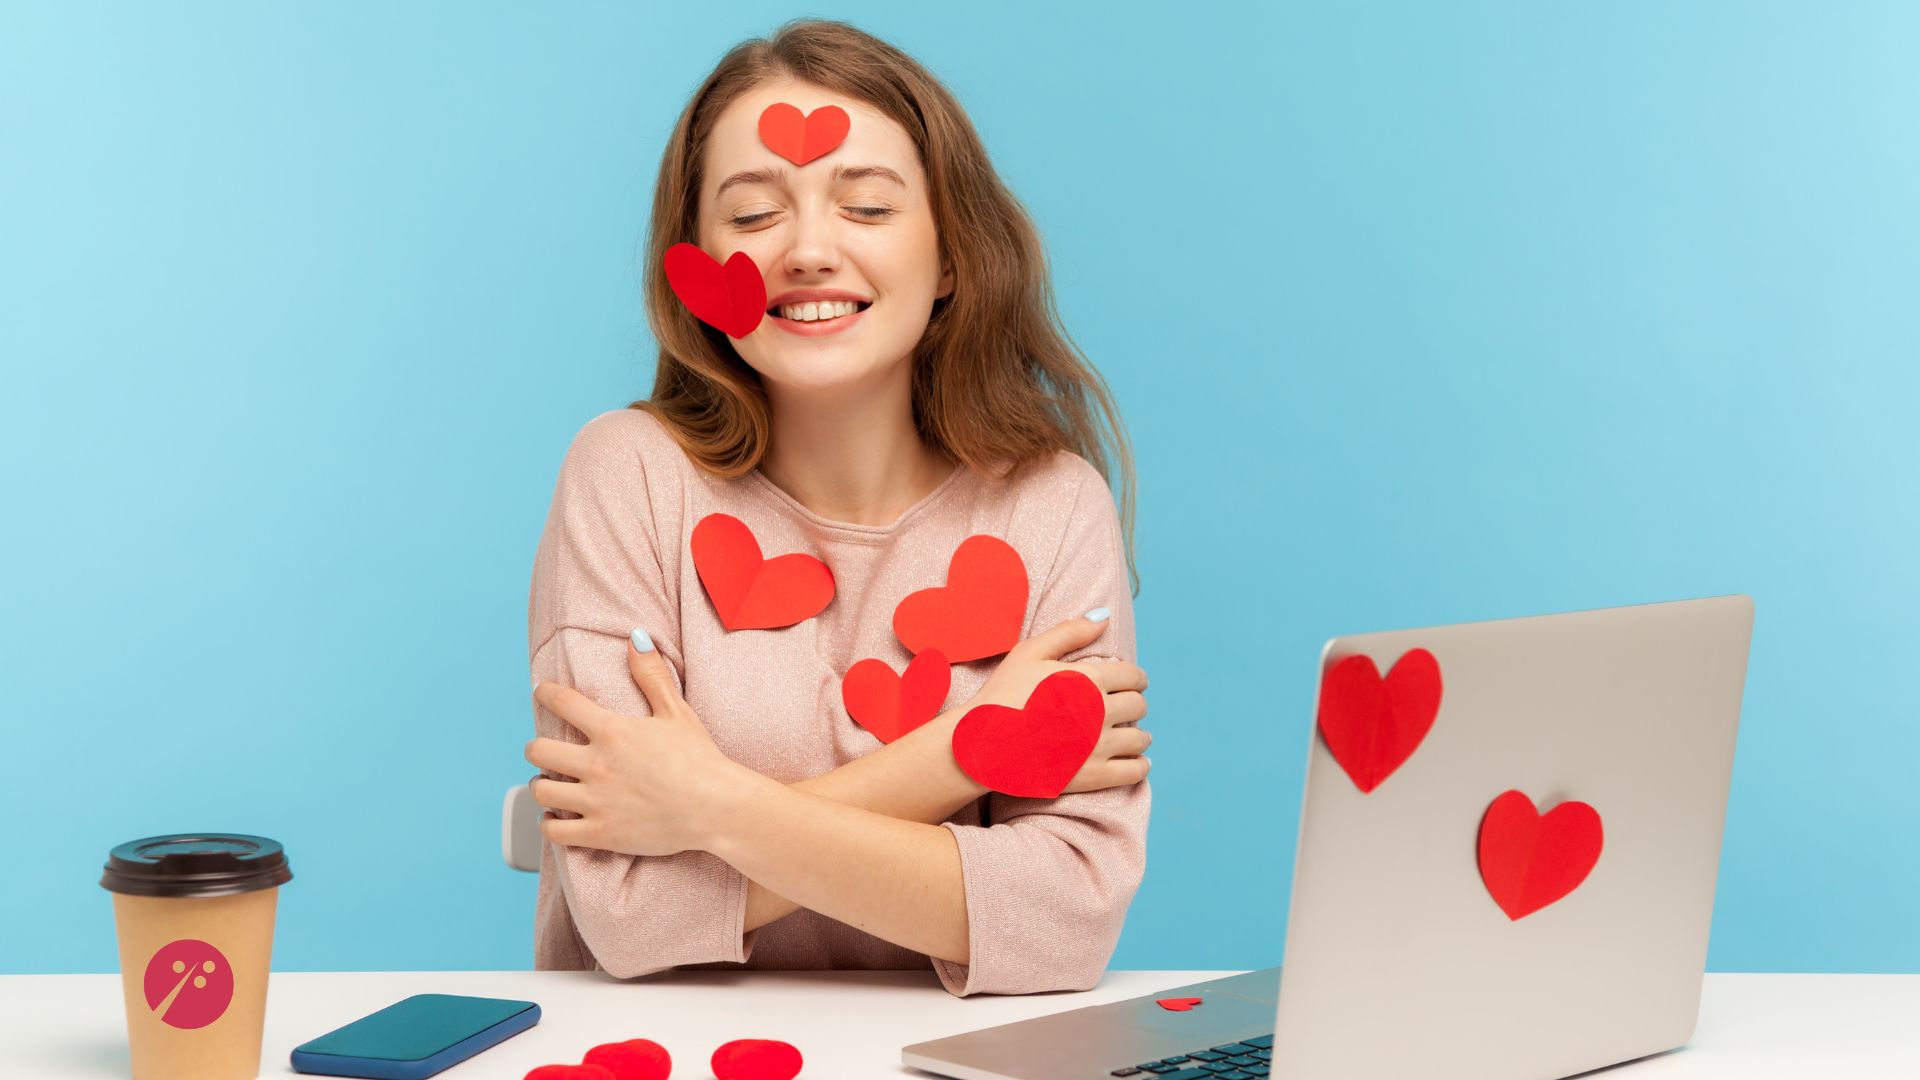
(646, 785)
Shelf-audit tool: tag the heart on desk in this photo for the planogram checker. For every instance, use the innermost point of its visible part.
(1035, 751)
(1529, 859)
(570, 1072)
(891, 705)
(752, 593)
(977, 613)
(635, 1059)
(1373, 725)
(756, 1059)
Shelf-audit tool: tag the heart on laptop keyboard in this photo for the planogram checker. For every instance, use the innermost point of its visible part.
(1033, 752)
(1529, 859)
(1373, 725)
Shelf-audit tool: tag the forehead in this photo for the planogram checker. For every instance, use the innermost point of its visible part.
(872, 137)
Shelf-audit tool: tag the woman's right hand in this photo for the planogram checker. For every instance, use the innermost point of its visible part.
(1115, 761)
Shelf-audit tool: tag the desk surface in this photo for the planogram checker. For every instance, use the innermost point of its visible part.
(851, 1024)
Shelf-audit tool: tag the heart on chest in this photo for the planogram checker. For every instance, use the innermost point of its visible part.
(977, 613)
(754, 593)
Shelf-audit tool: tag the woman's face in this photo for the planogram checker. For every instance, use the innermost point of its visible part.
(852, 226)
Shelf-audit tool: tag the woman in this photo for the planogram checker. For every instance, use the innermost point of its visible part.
(711, 801)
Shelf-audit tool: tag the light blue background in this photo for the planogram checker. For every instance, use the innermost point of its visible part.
(1420, 313)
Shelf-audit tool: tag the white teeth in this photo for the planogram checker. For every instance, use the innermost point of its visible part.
(816, 311)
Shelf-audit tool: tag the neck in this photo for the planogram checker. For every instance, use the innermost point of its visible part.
(851, 454)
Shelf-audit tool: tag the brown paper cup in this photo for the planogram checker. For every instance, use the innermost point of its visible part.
(194, 964)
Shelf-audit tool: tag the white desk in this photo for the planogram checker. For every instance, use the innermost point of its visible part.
(850, 1025)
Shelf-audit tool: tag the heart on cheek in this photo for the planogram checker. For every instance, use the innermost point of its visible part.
(732, 298)
(756, 1059)
(891, 705)
(1033, 752)
(977, 613)
(1373, 725)
(801, 137)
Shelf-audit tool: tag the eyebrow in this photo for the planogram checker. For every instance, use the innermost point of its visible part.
(841, 172)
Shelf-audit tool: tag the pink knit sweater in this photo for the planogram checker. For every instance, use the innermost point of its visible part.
(1048, 881)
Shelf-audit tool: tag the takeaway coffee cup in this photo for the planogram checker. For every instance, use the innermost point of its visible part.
(195, 919)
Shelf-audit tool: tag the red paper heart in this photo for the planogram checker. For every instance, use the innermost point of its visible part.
(801, 137)
(977, 613)
(752, 593)
(732, 298)
(1033, 752)
(891, 705)
(1179, 1004)
(1530, 860)
(1373, 726)
(756, 1059)
(570, 1072)
(635, 1059)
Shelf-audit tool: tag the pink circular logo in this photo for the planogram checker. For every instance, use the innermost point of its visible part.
(189, 983)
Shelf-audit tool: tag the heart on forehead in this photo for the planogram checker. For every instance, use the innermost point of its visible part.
(752, 593)
(891, 705)
(801, 137)
(756, 1059)
(1528, 859)
(732, 298)
(1373, 725)
(1033, 752)
(977, 613)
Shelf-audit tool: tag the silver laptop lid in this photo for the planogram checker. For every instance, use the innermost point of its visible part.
(1400, 962)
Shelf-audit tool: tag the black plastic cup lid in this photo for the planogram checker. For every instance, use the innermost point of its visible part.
(196, 865)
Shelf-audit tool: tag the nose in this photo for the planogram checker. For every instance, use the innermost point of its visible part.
(813, 248)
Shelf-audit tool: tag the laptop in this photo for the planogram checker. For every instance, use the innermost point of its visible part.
(1440, 926)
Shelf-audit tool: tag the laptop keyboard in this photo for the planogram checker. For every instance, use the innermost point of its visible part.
(1233, 1061)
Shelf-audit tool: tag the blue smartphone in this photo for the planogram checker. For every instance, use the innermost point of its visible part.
(415, 1037)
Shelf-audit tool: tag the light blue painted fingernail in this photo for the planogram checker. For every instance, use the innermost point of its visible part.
(641, 642)
(1099, 614)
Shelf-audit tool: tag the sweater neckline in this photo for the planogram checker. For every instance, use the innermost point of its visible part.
(853, 530)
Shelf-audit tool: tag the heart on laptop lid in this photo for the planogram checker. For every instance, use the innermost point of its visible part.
(1373, 725)
(1529, 859)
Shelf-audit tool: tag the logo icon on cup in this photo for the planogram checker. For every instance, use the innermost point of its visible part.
(189, 983)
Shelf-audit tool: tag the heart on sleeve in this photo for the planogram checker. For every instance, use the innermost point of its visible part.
(1035, 751)
(891, 705)
(1528, 859)
(977, 613)
(752, 593)
(1373, 725)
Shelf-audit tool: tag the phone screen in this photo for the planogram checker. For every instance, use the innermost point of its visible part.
(417, 1027)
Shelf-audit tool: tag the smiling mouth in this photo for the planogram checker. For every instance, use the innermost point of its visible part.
(819, 311)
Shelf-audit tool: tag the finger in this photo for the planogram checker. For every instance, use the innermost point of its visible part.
(572, 832)
(559, 795)
(554, 755)
(1126, 707)
(1114, 675)
(1068, 636)
(1121, 772)
(1124, 742)
(572, 706)
(651, 673)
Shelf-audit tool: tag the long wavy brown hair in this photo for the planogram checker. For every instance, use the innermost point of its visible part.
(997, 383)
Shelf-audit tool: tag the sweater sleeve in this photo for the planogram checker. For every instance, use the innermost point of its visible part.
(597, 574)
(1048, 881)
